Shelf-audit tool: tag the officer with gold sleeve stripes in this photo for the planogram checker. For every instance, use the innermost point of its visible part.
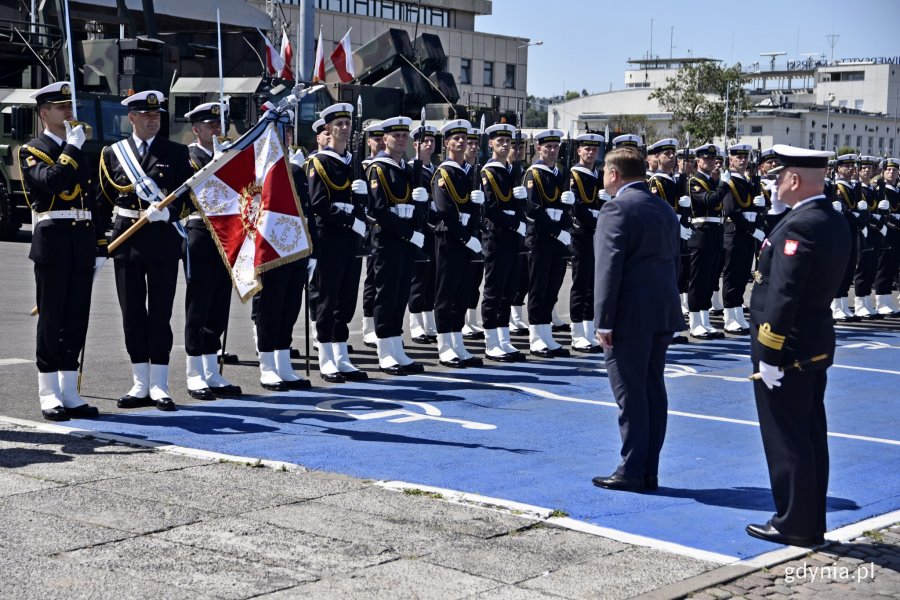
(66, 248)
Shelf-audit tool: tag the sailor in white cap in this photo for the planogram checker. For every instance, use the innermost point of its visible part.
(67, 246)
(845, 199)
(872, 235)
(341, 227)
(800, 267)
(457, 206)
(135, 175)
(375, 142)
(471, 329)
(548, 206)
(422, 328)
(628, 139)
(889, 256)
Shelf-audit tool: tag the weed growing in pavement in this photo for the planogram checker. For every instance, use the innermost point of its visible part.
(418, 492)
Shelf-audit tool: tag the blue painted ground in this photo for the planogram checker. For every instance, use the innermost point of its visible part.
(538, 432)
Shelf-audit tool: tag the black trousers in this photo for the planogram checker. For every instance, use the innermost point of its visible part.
(739, 251)
(421, 291)
(886, 263)
(207, 300)
(581, 297)
(522, 288)
(368, 295)
(847, 281)
(546, 270)
(866, 262)
(454, 272)
(337, 276)
(475, 289)
(684, 274)
(279, 305)
(795, 438)
(501, 277)
(64, 305)
(706, 250)
(392, 273)
(146, 293)
(635, 365)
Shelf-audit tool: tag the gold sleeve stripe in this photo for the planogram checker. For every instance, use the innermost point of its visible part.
(769, 338)
(65, 159)
(102, 242)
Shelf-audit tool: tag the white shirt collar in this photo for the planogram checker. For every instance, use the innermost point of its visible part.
(53, 137)
(138, 141)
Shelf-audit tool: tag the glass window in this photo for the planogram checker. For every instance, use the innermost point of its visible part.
(756, 129)
(812, 141)
(488, 74)
(880, 145)
(465, 70)
(387, 9)
(510, 80)
(823, 142)
(361, 7)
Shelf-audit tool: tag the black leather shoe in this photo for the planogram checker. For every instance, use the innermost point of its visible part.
(475, 335)
(518, 356)
(133, 402)
(274, 387)
(366, 344)
(333, 377)
(414, 368)
(295, 354)
(85, 411)
(717, 312)
(432, 339)
(473, 362)
(738, 332)
(57, 413)
(651, 483)
(717, 335)
(504, 358)
(560, 352)
(768, 533)
(523, 331)
(300, 384)
(165, 404)
(559, 328)
(227, 391)
(588, 349)
(393, 370)
(617, 482)
(421, 339)
(680, 339)
(453, 363)
(545, 353)
(202, 394)
(232, 359)
(355, 375)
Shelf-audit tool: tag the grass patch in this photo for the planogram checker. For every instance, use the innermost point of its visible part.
(558, 514)
(418, 492)
(874, 534)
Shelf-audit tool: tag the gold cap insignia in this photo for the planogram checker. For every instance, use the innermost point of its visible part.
(215, 109)
(152, 100)
(65, 90)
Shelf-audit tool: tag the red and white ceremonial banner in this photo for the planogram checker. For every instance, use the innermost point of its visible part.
(250, 206)
(319, 68)
(274, 62)
(342, 58)
(287, 57)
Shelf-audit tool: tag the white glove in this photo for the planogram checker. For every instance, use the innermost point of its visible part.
(595, 214)
(884, 205)
(555, 214)
(686, 232)
(476, 196)
(420, 194)
(725, 176)
(684, 202)
(861, 205)
(311, 268)
(836, 205)
(564, 237)
(759, 201)
(521, 229)
(759, 234)
(604, 195)
(154, 214)
(359, 227)
(883, 230)
(98, 264)
(567, 197)
(770, 375)
(519, 192)
(748, 215)
(297, 158)
(417, 239)
(359, 187)
(75, 135)
(474, 245)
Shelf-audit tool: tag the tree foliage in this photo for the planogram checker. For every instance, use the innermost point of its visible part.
(696, 97)
(634, 124)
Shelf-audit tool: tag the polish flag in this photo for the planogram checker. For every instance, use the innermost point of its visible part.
(274, 62)
(287, 56)
(319, 68)
(342, 59)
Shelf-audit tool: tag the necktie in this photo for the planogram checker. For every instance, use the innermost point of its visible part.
(143, 149)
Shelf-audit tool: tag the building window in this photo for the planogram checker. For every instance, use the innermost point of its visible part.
(361, 7)
(846, 140)
(880, 145)
(488, 74)
(755, 129)
(891, 144)
(510, 80)
(859, 141)
(871, 139)
(812, 141)
(465, 70)
(836, 143)
(823, 142)
(858, 104)
(407, 12)
(846, 76)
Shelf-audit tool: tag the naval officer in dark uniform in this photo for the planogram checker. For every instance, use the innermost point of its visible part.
(800, 268)
(135, 175)
(66, 248)
(422, 329)
(207, 300)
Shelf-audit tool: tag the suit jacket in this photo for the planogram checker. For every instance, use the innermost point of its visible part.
(637, 252)
(801, 265)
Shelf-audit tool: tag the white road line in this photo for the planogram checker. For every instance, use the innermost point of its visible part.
(5, 362)
(677, 413)
(835, 366)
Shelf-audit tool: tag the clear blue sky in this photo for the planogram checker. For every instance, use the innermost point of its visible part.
(587, 42)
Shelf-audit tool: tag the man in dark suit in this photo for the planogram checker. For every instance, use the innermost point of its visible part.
(801, 266)
(636, 310)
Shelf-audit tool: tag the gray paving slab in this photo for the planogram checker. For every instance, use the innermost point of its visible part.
(512, 592)
(46, 534)
(259, 542)
(187, 568)
(405, 578)
(12, 484)
(106, 509)
(425, 511)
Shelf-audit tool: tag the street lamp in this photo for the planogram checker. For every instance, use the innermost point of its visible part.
(828, 118)
(525, 110)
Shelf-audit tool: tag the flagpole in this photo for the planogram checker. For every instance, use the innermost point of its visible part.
(222, 133)
(297, 76)
(71, 62)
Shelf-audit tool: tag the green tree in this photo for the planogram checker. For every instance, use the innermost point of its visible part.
(845, 150)
(635, 124)
(571, 95)
(696, 97)
(536, 112)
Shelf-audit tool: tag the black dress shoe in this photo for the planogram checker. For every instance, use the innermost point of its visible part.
(560, 352)
(701, 336)
(414, 368)
(57, 413)
(592, 349)
(473, 362)
(300, 384)
(523, 331)
(617, 482)
(393, 370)
(232, 359)
(518, 356)
(202, 394)
(679, 339)
(421, 339)
(559, 328)
(165, 404)
(295, 354)
(279, 386)
(505, 358)
(716, 312)
(355, 375)
(545, 353)
(453, 363)
(367, 345)
(133, 402)
(333, 377)
(651, 483)
(227, 391)
(475, 335)
(768, 533)
(432, 339)
(85, 411)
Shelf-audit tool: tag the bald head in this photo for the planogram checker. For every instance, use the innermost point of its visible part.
(799, 183)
